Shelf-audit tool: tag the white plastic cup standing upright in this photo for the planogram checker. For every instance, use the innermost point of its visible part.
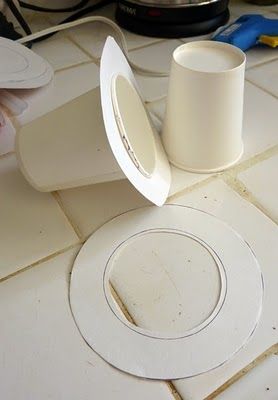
(202, 129)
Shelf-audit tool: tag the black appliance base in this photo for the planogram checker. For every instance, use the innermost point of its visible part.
(172, 22)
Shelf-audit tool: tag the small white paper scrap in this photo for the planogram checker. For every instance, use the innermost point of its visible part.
(7, 134)
(21, 68)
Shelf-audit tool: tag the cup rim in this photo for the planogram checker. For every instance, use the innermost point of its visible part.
(213, 44)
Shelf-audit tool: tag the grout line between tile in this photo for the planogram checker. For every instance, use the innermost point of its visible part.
(259, 64)
(95, 59)
(74, 66)
(260, 87)
(68, 217)
(191, 188)
(173, 390)
(262, 63)
(86, 236)
(142, 46)
(231, 172)
(250, 162)
(129, 317)
(231, 179)
(242, 190)
(272, 350)
(41, 261)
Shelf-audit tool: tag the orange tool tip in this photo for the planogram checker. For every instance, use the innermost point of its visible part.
(271, 41)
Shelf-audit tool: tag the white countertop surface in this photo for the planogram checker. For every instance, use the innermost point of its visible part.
(42, 355)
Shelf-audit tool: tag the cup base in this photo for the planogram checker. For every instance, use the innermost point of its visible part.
(208, 170)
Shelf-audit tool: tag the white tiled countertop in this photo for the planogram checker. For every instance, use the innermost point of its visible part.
(42, 354)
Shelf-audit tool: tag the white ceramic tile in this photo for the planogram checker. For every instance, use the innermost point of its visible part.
(135, 41)
(265, 76)
(91, 37)
(260, 181)
(32, 226)
(60, 52)
(43, 355)
(38, 22)
(56, 18)
(196, 38)
(91, 206)
(261, 234)
(183, 179)
(28, 14)
(260, 54)
(260, 383)
(65, 86)
(260, 121)
(157, 56)
(273, 8)
(152, 88)
(99, 31)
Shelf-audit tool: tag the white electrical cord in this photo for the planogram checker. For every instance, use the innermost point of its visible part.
(61, 27)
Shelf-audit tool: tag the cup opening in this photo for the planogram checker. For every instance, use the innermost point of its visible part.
(134, 125)
(209, 57)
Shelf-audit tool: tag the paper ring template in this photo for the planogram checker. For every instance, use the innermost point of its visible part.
(134, 142)
(21, 68)
(156, 355)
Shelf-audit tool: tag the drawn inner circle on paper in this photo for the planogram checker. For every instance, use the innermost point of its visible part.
(170, 273)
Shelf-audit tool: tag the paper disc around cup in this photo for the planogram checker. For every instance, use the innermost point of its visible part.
(223, 318)
(131, 135)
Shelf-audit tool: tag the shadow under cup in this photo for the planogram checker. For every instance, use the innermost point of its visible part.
(202, 129)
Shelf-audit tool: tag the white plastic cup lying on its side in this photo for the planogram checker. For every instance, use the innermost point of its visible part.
(202, 129)
(67, 147)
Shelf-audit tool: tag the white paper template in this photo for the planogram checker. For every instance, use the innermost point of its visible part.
(146, 353)
(21, 68)
(155, 186)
